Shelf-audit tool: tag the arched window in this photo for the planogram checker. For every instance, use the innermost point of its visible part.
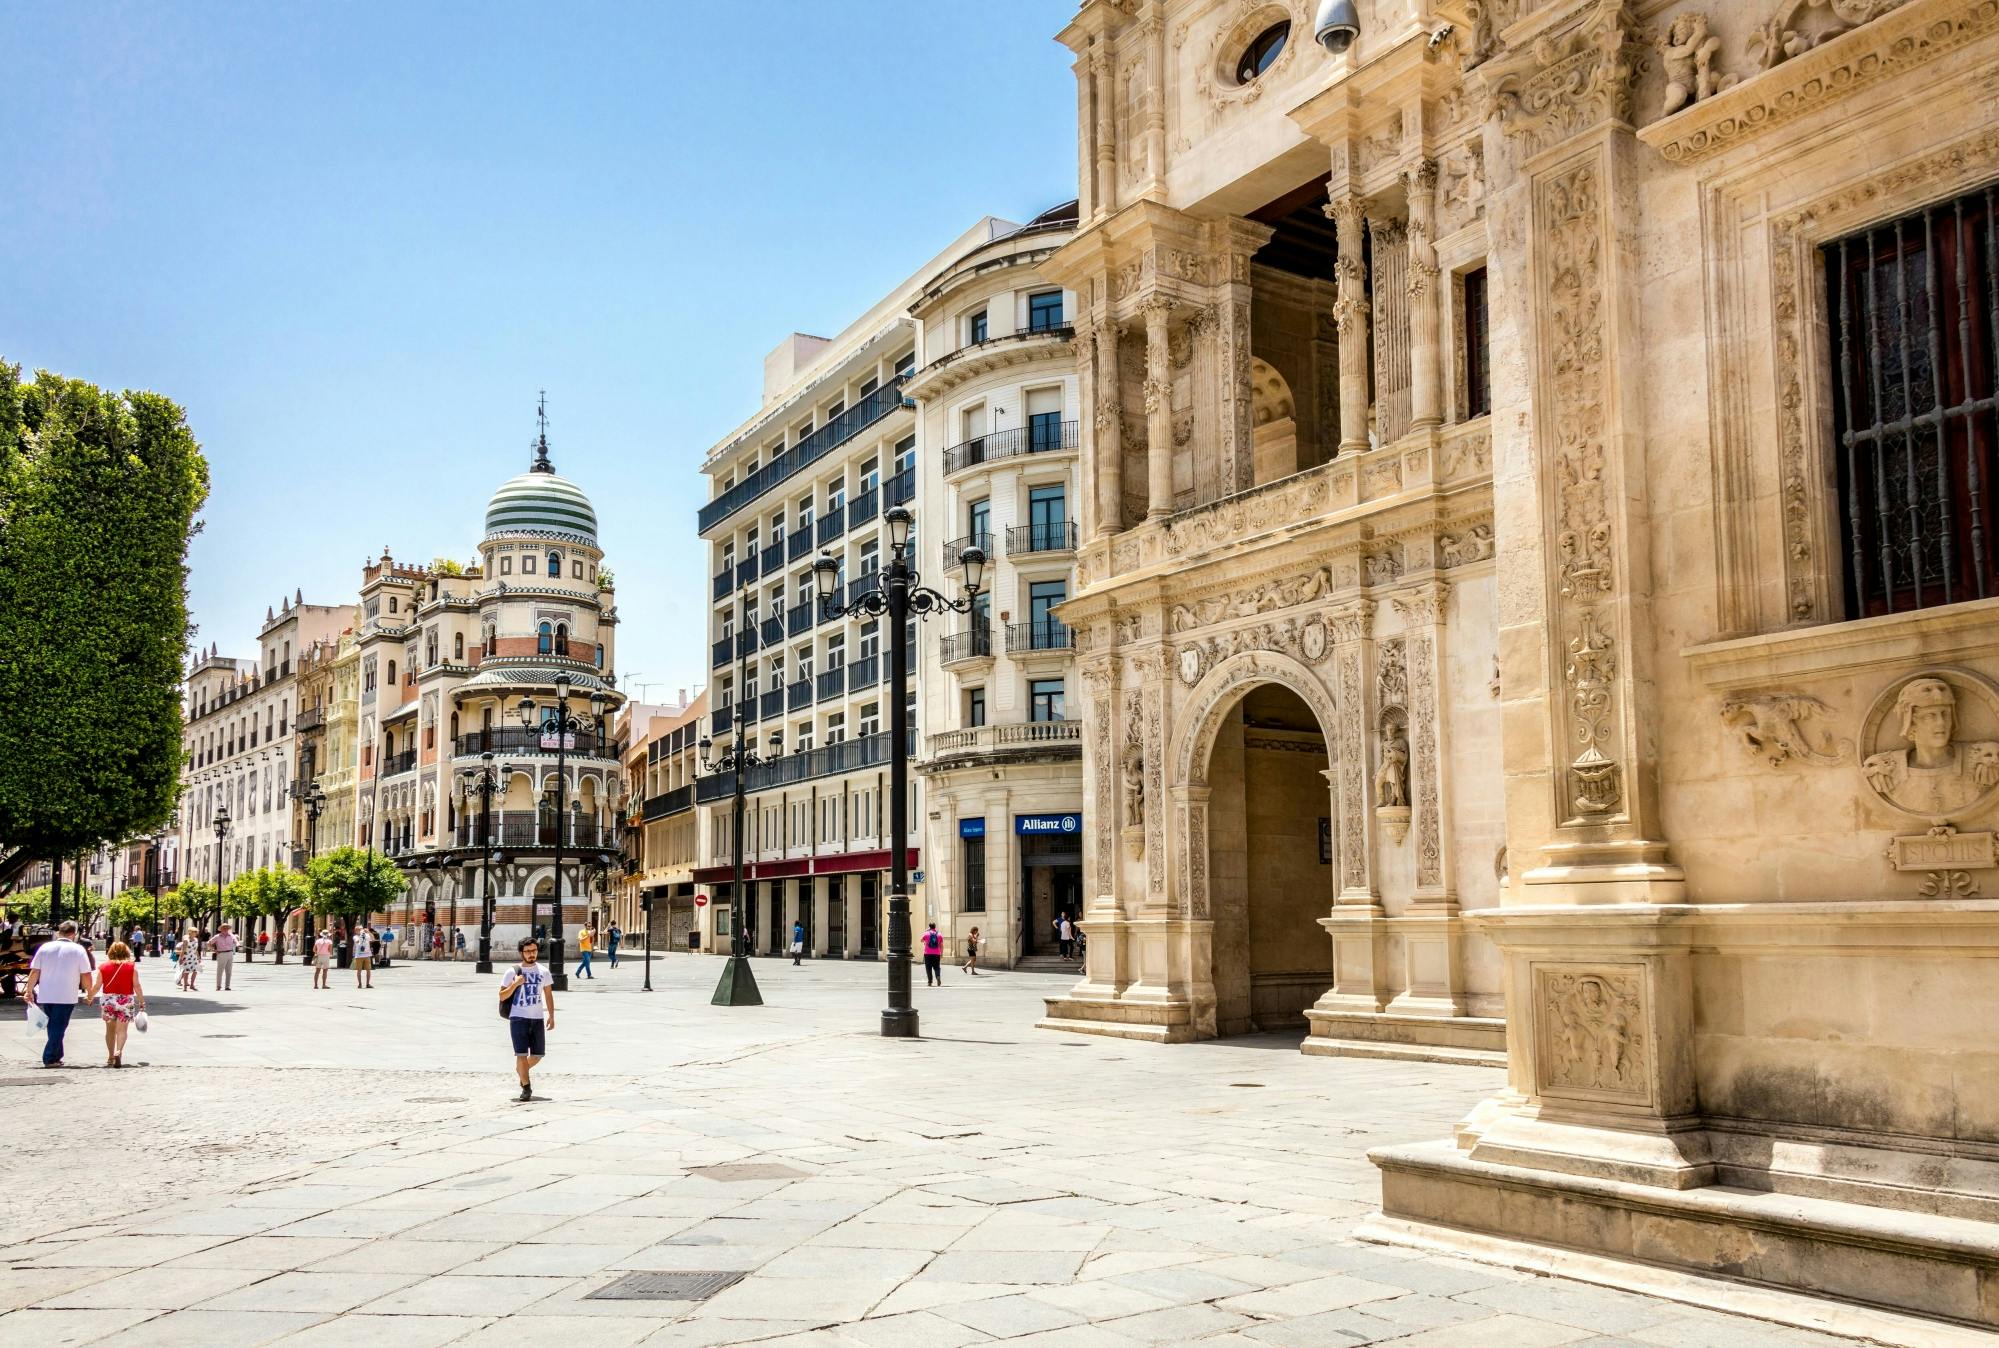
(600, 655)
(454, 727)
(555, 564)
(392, 673)
(562, 638)
(546, 639)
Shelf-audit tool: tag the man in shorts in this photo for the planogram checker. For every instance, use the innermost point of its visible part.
(364, 956)
(532, 1015)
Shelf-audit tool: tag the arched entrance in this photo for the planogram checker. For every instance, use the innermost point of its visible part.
(1270, 872)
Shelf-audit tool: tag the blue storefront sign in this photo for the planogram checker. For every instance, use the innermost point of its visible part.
(971, 828)
(1048, 823)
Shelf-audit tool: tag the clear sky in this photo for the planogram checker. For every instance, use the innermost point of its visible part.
(354, 240)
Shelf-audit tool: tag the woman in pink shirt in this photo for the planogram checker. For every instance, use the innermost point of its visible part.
(322, 958)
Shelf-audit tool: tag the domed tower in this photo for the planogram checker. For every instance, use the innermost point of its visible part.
(546, 621)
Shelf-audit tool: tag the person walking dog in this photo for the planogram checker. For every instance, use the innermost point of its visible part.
(57, 976)
(527, 999)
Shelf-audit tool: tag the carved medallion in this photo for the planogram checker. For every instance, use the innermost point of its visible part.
(1190, 666)
(1930, 745)
(1312, 641)
(1592, 1031)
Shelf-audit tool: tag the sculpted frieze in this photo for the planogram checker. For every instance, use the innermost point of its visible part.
(1919, 760)
(1281, 593)
(1770, 726)
(1566, 83)
(1462, 548)
(1592, 1028)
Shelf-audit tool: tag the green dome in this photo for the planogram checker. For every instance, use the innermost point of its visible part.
(542, 504)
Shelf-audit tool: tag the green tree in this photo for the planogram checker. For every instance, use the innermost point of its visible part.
(30, 905)
(98, 493)
(348, 882)
(188, 900)
(271, 891)
(133, 908)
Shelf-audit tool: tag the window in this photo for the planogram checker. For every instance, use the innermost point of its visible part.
(836, 495)
(870, 639)
(871, 719)
(871, 557)
(392, 603)
(905, 362)
(804, 513)
(801, 738)
(1478, 367)
(905, 454)
(1265, 48)
(979, 518)
(836, 653)
(1911, 309)
(458, 647)
(1042, 597)
(868, 385)
(555, 565)
(562, 638)
(1044, 700)
(975, 328)
(1047, 518)
(870, 476)
(975, 707)
(545, 639)
(576, 570)
(392, 673)
(506, 566)
(488, 637)
(1044, 311)
(836, 728)
(600, 655)
(975, 872)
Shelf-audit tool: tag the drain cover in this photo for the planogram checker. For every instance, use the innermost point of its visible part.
(743, 1171)
(667, 1286)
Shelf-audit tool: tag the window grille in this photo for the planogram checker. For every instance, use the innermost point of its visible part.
(1912, 307)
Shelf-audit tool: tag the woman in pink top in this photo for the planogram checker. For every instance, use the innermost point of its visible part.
(322, 958)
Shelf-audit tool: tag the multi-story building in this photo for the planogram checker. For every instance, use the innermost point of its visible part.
(833, 445)
(448, 655)
(1536, 601)
(663, 837)
(997, 434)
(338, 765)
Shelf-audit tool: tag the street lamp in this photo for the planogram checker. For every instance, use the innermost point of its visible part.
(221, 832)
(485, 780)
(738, 986)
(898, 596)
(560, 724)
(315, 805)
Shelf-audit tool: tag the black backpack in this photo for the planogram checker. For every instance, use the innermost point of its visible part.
(508, 999)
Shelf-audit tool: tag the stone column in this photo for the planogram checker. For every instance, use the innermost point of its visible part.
(1083, 343)
(1426, 357)
(1350, 312)
(1432, 934)
(1086, 140)
(1158, 409)
(1108, 455)
(1105, 70)
(1357, 923)
(1232, 350)
(1155, 109)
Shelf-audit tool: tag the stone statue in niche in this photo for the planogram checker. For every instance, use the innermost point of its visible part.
(1133, 768)
(1391, 779)
(1937, 775)
(1687, 51)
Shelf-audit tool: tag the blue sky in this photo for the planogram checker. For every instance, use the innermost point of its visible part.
(354, 240)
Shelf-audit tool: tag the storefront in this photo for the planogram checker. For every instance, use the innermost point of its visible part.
(1051, 876)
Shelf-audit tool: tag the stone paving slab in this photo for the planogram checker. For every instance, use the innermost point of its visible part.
(358, 1174)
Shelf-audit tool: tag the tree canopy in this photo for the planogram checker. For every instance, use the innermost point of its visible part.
(188, 899)
(268, 892)
(98, 493)
(348, 882)
(30, 905)
(133, 908)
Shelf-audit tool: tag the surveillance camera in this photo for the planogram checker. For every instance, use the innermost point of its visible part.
(1337, 25)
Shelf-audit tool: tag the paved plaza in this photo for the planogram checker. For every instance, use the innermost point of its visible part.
(344, 1167)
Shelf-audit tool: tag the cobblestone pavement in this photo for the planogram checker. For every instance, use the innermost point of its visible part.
(349, 1167)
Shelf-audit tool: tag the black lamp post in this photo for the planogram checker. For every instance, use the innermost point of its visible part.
(898, 596)
(560, 724)
(738, 986)
(315, 805)
(485, 780)
(221, 832)
(645, 902)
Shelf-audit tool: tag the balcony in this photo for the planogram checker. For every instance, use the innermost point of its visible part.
(514, 740)
(722, 720)
(725, 582)
(982, 541)
(799, 695)
(800, 543)
(864, 507)
(772, 557)
(746, 571)
(393, 764)
(312, 718)
(1023, 539)
(836, 432)
(798, 618)
(1063, 737)
(724, 651)
(772, 706)
(901, 487)
(847, 756)
(833, 525)
(864, 673)
(832, 684)
(1010, 444)
(974, 643)
(1046, 635)
(530, 830)
(773, 632)
(669, 803)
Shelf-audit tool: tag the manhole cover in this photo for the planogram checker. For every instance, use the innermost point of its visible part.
(744, 1171)
(667, 1286)
(435, 1100)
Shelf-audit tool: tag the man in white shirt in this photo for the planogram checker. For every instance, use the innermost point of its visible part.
(223, 944)
(364, 956)
(532, 1014)
(56, 980)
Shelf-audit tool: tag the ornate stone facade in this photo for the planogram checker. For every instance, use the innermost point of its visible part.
(1545, 597)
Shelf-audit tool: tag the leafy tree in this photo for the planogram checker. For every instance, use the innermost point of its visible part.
(444, 566)
(188, 900)
(30, 905)
(271, 891)
(98, 493)
(133, 908)
(348, 882)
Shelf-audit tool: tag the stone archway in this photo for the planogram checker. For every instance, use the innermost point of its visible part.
(1253, 827)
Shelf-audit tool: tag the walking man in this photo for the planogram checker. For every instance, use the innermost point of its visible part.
(797, 943)
(531, 1014)
(586, 944)
(1068, 937)
(933, 957)
(616, 937)
(57, 976)
(224, 947)
(364, 956)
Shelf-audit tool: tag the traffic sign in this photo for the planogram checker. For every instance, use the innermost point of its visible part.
(700, 900)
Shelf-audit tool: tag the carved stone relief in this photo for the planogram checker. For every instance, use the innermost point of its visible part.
(1474, 544)
(1264, 598)
(1568, 82)
(1768, 725)
(1918, 758)
(1593, 1040)
(1689, 52)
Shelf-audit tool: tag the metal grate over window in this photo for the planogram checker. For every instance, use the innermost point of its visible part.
(1912, 308)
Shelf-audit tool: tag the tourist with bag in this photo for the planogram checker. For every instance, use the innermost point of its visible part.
(115, 986)
(57, 977)
(933, 957)
(527, 1002)
(972, 953)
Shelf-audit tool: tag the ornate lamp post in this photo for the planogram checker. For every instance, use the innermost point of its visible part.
(484, 779)
(315, 805)
(738, 986)
(221, 832)
(898, 596)
(559, 726)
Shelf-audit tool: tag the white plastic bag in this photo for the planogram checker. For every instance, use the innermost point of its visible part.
(38, 1020)
(139, 1021)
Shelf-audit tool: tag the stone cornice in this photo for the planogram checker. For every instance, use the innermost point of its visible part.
(1905, 38)
(955, 368)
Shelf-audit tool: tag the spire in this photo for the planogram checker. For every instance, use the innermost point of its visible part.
(541, 463)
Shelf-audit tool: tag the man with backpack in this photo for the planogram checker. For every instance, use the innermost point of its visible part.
(527, 1002)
